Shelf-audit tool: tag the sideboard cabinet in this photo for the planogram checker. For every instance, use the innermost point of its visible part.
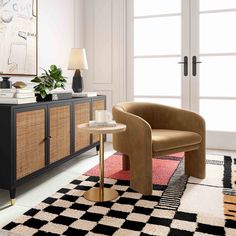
(36, 137)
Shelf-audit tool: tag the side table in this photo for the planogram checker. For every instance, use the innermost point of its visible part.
(101, 194)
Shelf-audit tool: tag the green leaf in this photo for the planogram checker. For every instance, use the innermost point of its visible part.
(36, 88)
(58, 84)
(43, 94)
(49, 80)
(53, 67)
(46, 90)
(36, 80)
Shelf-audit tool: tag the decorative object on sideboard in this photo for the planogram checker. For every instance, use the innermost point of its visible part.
(55, 95)
(77, 61)
(17, 96)
(5, 83)
(19, 85)
(84, 94)
(48, 81)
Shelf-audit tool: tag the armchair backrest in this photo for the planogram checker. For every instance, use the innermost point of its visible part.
(154, 114)
(165, 117)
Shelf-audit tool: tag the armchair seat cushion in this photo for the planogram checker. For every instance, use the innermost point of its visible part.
(165, 139)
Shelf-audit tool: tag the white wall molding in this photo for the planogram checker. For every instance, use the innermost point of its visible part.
(123, 51)
(102, 41)
(129, 50)
(105, 43)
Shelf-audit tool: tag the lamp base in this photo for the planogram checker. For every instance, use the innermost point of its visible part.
(77, 83)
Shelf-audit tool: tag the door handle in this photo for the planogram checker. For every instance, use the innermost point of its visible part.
(194, 64)
(185, 62)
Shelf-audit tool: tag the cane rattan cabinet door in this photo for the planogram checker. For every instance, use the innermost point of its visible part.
(30, 142)
(59, 132)
(82, 115)
(97, 105)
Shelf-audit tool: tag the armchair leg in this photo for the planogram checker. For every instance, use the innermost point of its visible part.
(141, 174)
(125, 162)
(195, 163)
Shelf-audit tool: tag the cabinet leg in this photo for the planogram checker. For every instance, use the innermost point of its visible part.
(12, 196)
(97, 149)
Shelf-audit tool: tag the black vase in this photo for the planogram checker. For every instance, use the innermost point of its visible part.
(5, 83)
(77, 83)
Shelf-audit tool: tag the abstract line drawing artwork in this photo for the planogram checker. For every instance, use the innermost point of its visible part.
(18, 37)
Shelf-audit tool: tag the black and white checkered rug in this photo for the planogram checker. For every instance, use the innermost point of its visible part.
(176, 209)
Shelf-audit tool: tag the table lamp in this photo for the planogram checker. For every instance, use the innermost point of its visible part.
(77, 62)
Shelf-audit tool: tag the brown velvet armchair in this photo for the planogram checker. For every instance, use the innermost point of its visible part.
(157, 130)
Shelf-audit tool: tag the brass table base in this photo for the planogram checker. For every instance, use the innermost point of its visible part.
(96, 195)
(101, 194)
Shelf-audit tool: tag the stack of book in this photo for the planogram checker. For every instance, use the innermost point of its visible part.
(95, 124)
(17, 96)
(84, 94)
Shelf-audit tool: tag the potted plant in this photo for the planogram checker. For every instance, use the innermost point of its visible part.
(48, 81)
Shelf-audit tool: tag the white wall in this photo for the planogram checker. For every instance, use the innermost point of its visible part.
(56, 34)
(104, 30)
(97, 25)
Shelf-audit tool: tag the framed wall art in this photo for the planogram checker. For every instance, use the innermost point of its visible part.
(18, 37)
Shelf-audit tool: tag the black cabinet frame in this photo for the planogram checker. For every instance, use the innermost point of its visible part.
(8, 113)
